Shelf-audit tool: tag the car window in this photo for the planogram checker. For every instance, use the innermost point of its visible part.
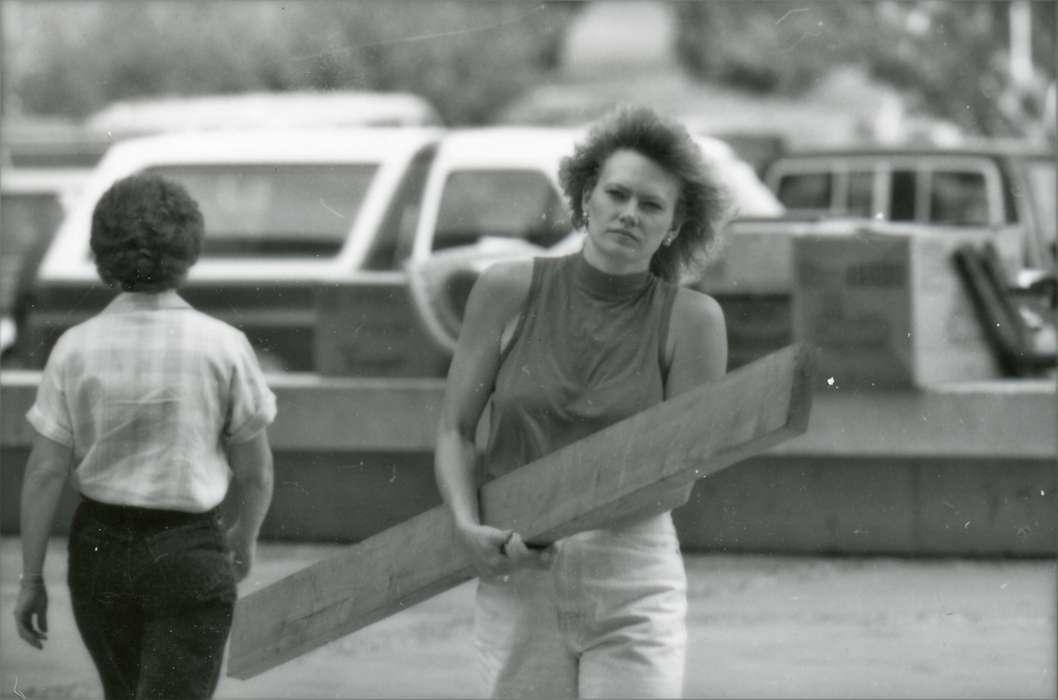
(806, 191)
(259, 210)
(903, 187)
(958, 198)
(501, 203)
(860, 197)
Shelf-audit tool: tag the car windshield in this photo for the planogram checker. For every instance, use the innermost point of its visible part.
(258, 210)
(500, 203)
(1041, 174)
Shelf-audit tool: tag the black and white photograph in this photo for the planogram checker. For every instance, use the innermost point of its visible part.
(516, 349)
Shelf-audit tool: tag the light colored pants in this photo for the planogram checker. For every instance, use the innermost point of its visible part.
(607, 619)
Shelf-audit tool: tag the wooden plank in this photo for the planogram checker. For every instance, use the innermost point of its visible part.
(632, 465)
(628, 466)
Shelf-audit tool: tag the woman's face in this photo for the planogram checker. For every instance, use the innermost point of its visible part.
(629, 212)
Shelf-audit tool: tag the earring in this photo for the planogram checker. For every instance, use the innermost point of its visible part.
(669, 239)
(586, 220)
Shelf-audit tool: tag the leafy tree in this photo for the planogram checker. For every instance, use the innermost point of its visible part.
(467, 58)
(470, 58)
(948, 57)
(768, 47)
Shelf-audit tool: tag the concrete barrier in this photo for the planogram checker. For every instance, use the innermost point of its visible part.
(957, 469)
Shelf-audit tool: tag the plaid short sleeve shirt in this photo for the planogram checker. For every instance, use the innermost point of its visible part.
(148, 395)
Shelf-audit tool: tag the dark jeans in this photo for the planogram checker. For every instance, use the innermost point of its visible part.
(153, 593)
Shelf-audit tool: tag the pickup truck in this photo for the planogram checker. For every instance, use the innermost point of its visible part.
(312, 234)
(1004, 187)
(285, 211)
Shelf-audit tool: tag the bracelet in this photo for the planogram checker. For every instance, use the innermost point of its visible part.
(31, 578)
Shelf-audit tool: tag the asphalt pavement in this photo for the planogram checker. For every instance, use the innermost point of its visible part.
(759, 626)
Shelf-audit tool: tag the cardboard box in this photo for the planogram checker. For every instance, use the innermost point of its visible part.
(887, 309)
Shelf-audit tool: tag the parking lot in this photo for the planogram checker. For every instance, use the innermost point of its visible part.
(760, 626)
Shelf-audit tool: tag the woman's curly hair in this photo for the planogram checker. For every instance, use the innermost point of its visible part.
(146, 233)
(703, 203)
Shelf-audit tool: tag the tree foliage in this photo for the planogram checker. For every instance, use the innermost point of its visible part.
(471, 57)
(467, 58)
(950, 58)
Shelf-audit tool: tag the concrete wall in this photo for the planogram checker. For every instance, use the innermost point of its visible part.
(959, 470)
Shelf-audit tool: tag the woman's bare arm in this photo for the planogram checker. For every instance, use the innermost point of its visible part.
(697, 342)
(47, 470)
(497, 297)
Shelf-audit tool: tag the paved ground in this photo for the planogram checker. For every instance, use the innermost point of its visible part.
(759, 627)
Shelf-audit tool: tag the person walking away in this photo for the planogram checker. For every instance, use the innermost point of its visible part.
(152, 409)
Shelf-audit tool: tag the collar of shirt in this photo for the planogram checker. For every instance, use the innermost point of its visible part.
(146, 301)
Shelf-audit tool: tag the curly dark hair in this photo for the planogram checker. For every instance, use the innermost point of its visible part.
(703, 202)
(146, 233)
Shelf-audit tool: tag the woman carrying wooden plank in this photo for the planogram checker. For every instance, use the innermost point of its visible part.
(152, 407)
(559, 348)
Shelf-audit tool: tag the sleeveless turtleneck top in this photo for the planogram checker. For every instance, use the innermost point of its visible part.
(587, 352)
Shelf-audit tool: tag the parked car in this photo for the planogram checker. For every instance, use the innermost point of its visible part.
(312, 234)
(44, 142)
(285, 211)
(1006, 187)
(257, 110)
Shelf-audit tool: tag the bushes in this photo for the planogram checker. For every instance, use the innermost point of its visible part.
(468, 58)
